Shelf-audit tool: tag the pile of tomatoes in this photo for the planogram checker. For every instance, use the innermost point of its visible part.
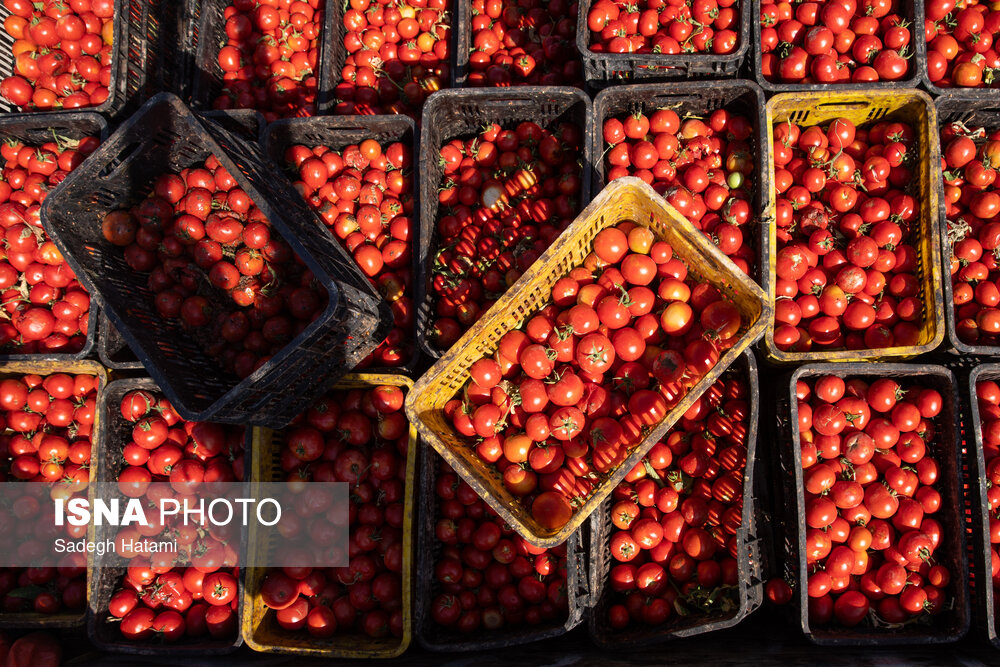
(364, 193)
(961, 43)
(847, 237)
(45, 309)
(270, 57)
(398, 53)
(48, 423)
(704, 168)
(988, 396)
(524, 43)
(669, 28)
(677, 514)
(506, 195)
(62, 53)
(155, 596)
(217, 266)
(969, 160)
(835, 41)
(486, 576)
(565, 400)
(360, 437)
(870, 470)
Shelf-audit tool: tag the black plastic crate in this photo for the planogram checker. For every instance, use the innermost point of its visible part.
(970, 110)
(953, 623)
(435, 638)
(458, 113)
(749, 557)
(601, 69)
(977, 511)
(146, 58)
(38, 128)
(334, 53)
(102, 630)
(205, 34)
(165, 136)
(911, 11)
(338, 132)
(112, 349)
(698, 98)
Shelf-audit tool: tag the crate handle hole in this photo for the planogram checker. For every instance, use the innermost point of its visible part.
(845, 105)
(124, 156)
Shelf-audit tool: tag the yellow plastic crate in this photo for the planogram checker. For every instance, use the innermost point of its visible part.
(861, 108)
(67, 619)
(261, 631)
(623, 199)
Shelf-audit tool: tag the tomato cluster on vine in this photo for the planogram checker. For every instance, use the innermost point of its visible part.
(62, 53)
(704, 169)
(848, 230)
(961, 43)
(506, 195)
(156, 597)
(565, 399)
(969, 160)
(669, 28)
(870, 465)
(526, 42)
(216, 265)
(834, 41)
(486, 576)
(48, 423)
(360, 437)
(677, 515)
(398, 54)
(270, 57)
(45, 309)
(364, 193)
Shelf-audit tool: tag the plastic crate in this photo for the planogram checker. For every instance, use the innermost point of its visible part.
(37, 129)
(698, 98)
(335, 54)
(337, 132)
(971, 111)
(112, 349)
(102, 630)
(601, 69)
(458, 113)
(624, 199)
(260, 630)
(911, 11)
(951, 624)
(978, 516)
(164, 135)
(206, 34)
(751, 584)
(435, 638)
(144, 55)
(863, 107)
(69, 619)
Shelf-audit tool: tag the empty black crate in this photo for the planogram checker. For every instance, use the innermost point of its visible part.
(165, 136)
